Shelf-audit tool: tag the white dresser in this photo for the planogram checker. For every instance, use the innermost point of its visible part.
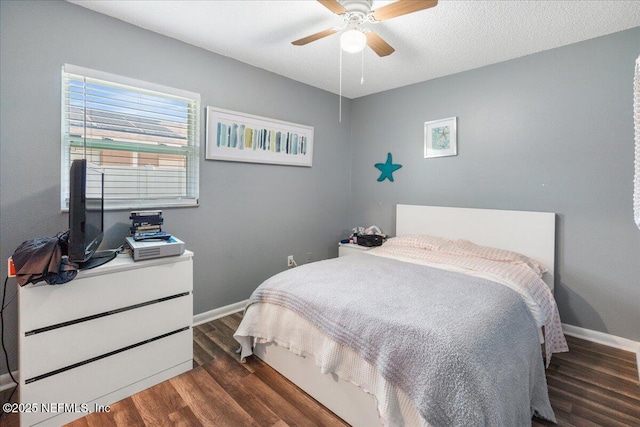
(111, 332)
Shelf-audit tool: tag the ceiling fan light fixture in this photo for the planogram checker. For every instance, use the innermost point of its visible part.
(353, 41)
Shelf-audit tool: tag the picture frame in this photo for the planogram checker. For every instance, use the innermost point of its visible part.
(240, 137)
(440, 138)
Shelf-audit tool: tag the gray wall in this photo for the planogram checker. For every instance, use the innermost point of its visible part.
(547, 132)
(250, 216)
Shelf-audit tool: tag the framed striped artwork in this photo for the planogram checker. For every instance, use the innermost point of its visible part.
(241, 137)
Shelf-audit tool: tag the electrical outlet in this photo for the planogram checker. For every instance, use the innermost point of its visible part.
(290, 261)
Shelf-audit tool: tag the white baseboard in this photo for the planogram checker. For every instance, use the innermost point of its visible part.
(6, 381)
(217, 313)
(606, 339)
(601, 338)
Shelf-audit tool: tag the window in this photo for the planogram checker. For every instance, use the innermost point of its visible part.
(144, 136)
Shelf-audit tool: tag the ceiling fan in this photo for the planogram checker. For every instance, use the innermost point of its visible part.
(357, 12)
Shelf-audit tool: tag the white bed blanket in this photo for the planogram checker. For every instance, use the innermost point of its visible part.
(452, 376)
(267, 323)
(514, 275)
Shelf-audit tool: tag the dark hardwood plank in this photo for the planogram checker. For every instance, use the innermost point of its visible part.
(95, 419)
(305, 403)
(209, 402)
(200, 355)
(240, 391)
(156, 403)
(10, 419)
(586, 388)
(226, 370)
(598, 362)
(593, 393)
(224, 336)
(211, 349)
(184, 417)
(581, 405)
(205, 327)
(600, 349)
(582, 415)
(573, 370)
(126, 413)
(83, 422)
(231, 321)
(286, 410)
(215, 343)
(296, 408)
(221, 337)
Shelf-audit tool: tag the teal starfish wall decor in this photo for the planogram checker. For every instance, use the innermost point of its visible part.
(387, 169)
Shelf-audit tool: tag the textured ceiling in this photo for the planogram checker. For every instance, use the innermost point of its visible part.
(452, 37)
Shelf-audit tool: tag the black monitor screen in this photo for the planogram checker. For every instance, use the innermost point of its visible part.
(86, 214)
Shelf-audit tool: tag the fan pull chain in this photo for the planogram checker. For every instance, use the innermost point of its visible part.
(340, 96)
(362, 69)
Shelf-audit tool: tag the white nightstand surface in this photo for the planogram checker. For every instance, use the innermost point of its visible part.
(345, 249)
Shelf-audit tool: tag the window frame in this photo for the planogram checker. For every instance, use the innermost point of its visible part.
(192, 159)
(636, 125)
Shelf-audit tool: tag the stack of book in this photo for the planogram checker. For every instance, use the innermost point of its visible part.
(145, 222)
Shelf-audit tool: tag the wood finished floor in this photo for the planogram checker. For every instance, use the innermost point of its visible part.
(592, 385)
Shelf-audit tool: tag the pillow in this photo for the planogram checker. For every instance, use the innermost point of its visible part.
(421, 241)
(465, 247)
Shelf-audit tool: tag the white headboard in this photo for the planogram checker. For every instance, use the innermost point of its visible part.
(529, 233)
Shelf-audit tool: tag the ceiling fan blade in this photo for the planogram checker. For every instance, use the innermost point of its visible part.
(314, 37)
(333, 6)
(401, 7)
(379, 46)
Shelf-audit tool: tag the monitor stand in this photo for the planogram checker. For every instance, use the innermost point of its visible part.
(97, 259)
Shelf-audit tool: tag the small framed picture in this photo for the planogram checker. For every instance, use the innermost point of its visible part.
(440, 138)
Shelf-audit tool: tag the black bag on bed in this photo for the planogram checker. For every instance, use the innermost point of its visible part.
(369, 240)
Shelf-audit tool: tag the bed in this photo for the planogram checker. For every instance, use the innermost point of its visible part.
(476, 361)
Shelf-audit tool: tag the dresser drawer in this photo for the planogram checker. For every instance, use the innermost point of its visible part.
(65, 346)
(45, 305)
(132, 370)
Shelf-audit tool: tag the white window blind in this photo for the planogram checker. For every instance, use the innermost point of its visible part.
(144, 136)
